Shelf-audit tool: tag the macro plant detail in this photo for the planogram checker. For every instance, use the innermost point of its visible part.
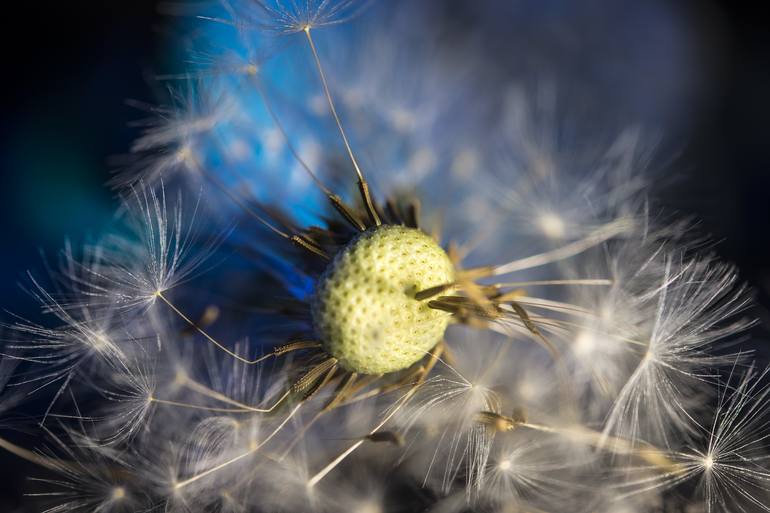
(382, 271)
(335, 290)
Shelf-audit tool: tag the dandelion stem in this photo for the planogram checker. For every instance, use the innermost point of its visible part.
(213, 394)
(299, 240)
(286, 139)
(339, 396)
(198, 407)
(194, 325)
(182, 484)
(653, 455)
(363, 186)
(335, 200)
(328, 468)
(203, 332)
(595, 238)
(234, 198)
(33, 457)
(435, 357)
(586, 281)
(328, 95)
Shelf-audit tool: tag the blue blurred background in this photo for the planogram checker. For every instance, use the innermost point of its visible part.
(66, 78)
(68, 69)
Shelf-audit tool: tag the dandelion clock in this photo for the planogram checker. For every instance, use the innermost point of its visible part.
(361, 262)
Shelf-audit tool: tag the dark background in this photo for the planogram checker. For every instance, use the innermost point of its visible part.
(66, 71)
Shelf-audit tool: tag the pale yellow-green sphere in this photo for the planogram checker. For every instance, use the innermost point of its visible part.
(364, 309)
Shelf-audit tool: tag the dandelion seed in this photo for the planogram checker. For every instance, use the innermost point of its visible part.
(693, 306)
(92, 478)
(446, 410)
(548, 204)
(728, 459)
(291, 17)
(535, 471)
(84, 342)
(133, 271)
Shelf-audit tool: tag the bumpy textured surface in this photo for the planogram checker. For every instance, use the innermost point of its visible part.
(364, 309)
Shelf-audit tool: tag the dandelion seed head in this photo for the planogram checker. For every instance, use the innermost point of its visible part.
(365, 311)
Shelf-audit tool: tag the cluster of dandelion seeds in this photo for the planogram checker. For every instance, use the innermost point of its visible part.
(350, 278)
